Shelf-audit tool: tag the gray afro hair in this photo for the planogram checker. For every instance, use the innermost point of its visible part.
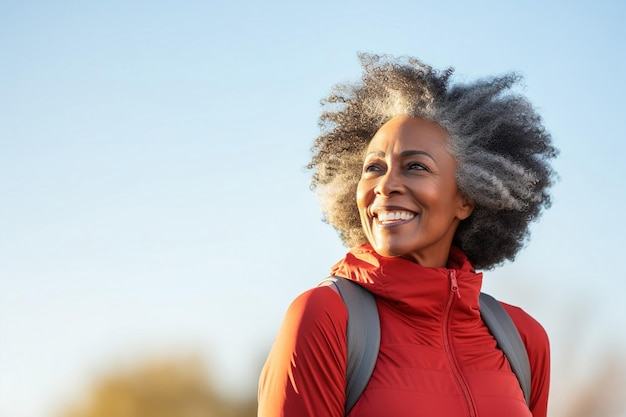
(502, 150)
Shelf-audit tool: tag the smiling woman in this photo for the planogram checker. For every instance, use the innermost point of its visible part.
(425, 181)
(407, 197)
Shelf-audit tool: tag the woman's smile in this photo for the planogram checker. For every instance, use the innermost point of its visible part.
(392, 217)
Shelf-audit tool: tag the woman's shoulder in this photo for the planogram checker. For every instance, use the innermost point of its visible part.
(527, 326)
(534, 337)
(304, 374)
(537, 346)
(318, 306)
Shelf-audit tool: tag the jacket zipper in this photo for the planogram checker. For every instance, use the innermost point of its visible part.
(447, 343)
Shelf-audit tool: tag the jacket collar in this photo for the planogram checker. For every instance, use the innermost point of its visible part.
(411, 287)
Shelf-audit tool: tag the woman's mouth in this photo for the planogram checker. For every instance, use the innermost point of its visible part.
(393, 216)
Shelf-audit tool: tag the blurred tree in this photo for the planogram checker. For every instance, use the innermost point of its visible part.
(166, 388)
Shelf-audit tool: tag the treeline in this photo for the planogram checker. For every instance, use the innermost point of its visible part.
(183, 388)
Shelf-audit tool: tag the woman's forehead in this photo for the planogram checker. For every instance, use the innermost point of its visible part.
(408, 133)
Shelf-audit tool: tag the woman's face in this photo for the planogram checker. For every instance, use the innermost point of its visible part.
(407, 197)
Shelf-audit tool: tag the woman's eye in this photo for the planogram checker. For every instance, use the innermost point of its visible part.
(416, 166)
(371, 168)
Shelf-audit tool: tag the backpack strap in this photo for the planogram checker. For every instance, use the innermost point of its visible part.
(363, 336)
(509, 340)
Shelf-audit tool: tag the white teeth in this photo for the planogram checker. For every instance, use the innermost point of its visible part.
(395, 215)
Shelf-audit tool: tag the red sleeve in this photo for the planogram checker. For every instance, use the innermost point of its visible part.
(537, 345)
(304, 375)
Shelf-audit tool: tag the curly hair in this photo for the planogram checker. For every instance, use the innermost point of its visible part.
(502, 150)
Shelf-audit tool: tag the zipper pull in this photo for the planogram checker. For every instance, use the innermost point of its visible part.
(454, 284)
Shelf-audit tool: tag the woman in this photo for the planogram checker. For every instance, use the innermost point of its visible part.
(426, 182)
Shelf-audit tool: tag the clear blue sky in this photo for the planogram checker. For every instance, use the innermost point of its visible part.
(153, 198)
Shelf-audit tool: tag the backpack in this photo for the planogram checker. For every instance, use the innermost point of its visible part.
(363, 337)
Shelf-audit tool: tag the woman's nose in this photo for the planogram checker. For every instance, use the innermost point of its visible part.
(388, 184)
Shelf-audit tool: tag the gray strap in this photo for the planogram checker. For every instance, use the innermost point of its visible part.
(363, 336)
(509, 341)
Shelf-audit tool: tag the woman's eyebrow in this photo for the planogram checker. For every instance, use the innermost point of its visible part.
(403, 154)
(379, 154)
(411, 153)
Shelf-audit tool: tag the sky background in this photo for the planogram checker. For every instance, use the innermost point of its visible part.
(153, 192)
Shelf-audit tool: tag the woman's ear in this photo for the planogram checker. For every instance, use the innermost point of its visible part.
(466, 207)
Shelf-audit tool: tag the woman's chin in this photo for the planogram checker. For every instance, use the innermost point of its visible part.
(388, 251)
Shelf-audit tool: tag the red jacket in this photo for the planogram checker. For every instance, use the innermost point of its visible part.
(436, 358)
